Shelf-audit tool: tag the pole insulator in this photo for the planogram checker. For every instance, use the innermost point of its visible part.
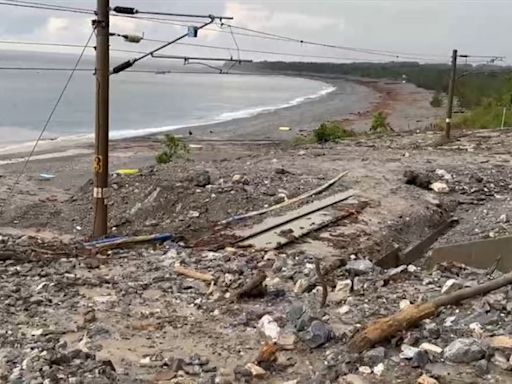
(125, 10)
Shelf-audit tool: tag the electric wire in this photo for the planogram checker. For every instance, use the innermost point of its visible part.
(47, 122)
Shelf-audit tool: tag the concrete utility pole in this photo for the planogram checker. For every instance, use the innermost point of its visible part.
(100, 165)
(450, 95)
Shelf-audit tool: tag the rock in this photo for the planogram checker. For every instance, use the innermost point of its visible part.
(201, 178)
(503, 219)
(343, 309)
(451, 285)
(236, 178)
(419, 359)
(431, 348)
(440, 187)
(482, 366)
(375, 356)
(352, 379)
(424, 379)
(421, 180)
(445, 175)
(269, 327)
(279, 198)
(408, 352)
(412, 268)
(378, 369)
(501, 361)
(193, 214)
(359, 267)
(341, 292)
(256, 371)
(404, 304)
(300, 285)
(464, 350)
(365, 370)
(286, 340)
(317, 334)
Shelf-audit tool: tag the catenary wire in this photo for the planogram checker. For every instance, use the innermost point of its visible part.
(49, 118)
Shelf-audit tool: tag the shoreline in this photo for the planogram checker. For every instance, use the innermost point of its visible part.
(264, 125)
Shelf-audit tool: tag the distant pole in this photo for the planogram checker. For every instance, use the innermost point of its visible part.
(503, 117)
(100, 164)
(450, 95)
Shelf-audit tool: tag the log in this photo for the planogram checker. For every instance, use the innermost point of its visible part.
(387, 327)
(193, 274)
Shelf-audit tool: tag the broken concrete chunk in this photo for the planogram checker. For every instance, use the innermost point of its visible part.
(464, 350)
(317, 334)
(365, 370)
(359, 267)
(451, 285)
(404, 304)
(269, 327)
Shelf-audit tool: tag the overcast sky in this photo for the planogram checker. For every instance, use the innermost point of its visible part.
(424, 28)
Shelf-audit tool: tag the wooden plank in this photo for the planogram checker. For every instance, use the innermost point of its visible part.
(291, 231)
(273, 222)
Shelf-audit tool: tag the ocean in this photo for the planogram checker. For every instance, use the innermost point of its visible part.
(140, 103)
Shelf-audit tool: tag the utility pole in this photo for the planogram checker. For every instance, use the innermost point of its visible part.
(450, 95)
(100, 164)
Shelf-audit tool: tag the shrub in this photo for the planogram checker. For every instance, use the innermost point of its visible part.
(172, 148)
(380, 123)
(331, 132)
(436, 101)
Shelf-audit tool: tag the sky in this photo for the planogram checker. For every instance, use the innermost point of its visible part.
(426, 30)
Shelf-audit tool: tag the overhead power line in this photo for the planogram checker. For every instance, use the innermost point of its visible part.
(49, 118)
(46, 7)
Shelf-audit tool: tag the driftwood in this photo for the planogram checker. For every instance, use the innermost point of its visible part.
(383, 329)
(287, 202)
(193, 273)
(253, 288)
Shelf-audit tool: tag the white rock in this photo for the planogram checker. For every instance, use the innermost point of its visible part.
(451, 285)
(439, 187)
(407, 352)
(300, 285)
(431, 348)
(477, 329)
(341, 292)
(404, 303)
(269, 327)
(378, 369)
(445, 175)
(412, 268)
(503, 218)
(256, 371)
(449, 321)
(343, 309)
(193, 214)
(236, 178)
(365, 370)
